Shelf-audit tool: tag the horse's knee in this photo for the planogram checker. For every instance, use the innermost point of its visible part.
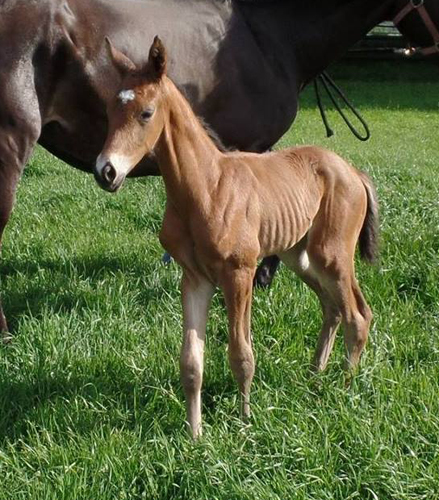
(191, 373)
(242, 363)
(20, 128)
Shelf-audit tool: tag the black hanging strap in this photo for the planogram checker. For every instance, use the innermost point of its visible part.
(331, 87)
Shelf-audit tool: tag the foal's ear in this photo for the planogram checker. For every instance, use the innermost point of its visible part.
(121, 62)
(157, 59)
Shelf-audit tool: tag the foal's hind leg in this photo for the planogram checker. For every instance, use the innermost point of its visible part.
(356, 321)
(297, 260)
(325, 344)
(339, 283)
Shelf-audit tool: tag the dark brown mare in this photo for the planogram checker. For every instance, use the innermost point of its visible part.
(242, 65)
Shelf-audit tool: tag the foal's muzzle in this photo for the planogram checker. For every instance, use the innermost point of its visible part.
(109, 174)
(107, 177)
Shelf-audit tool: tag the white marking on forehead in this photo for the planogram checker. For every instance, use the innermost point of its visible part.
(126, 95)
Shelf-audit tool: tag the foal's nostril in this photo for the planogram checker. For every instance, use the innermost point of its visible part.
(109, 173)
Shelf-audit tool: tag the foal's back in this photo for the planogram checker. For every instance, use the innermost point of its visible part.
(281, 193)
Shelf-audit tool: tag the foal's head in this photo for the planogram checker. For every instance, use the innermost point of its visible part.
(135, 115)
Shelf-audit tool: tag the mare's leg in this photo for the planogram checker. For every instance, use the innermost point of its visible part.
(8, 183)
(196, 296)
(266, 271)
(237, 285)
(297, 259)
(19, 131)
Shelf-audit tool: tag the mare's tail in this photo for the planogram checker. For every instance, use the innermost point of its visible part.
(368, 240)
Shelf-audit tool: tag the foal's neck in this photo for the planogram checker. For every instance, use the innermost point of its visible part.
(187, 156)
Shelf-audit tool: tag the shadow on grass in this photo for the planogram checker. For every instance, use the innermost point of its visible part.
(59, 289)
(111, 396)
(83, 402)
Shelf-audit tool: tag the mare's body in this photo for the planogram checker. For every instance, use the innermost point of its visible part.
(241, 64)
(226, 210)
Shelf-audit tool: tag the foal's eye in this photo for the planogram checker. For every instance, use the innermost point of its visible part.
(146, 114)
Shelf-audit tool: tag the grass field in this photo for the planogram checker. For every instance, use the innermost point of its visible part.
(90, 400)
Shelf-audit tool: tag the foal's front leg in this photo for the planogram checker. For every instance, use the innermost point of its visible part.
(237, 285)
(196, 296)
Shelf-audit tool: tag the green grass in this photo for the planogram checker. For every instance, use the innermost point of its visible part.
(90, 400)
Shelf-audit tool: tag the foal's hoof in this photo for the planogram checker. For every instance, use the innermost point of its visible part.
(263, 277)
(349, 379)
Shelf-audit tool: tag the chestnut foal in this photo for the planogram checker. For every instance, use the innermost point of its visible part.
(224, 211)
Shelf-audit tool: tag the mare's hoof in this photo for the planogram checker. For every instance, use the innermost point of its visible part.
(265, 272)
(263, 277)
(166, 259)
(6, 337)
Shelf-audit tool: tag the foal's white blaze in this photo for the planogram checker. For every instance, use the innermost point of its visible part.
(126, 95)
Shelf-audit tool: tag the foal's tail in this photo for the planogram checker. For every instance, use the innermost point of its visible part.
(368, 240)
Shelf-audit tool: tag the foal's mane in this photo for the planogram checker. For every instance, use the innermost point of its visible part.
(207, 127)
(213, 135)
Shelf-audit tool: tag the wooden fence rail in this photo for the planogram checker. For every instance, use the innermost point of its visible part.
(383, 42)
